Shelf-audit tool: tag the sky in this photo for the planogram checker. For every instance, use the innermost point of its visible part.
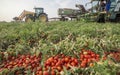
(13, 8)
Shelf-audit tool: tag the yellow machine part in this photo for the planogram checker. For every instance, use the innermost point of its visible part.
(28, 19)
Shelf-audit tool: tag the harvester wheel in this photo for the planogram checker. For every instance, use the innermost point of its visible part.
(101, 18)
(43, 17)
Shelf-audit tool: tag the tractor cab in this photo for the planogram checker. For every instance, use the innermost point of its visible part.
(38, 11)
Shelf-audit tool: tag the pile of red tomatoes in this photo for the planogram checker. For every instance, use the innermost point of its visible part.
(54, 64)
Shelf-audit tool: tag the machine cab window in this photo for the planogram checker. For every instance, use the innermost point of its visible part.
(39, 10)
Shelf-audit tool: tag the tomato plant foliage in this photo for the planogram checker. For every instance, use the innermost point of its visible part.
(60, 48)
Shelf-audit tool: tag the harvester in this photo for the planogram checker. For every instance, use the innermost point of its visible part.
(109, 12)
(95, 13)
(32, 16)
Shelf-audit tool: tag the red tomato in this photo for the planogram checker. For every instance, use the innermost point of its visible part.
(76, 61)
(52, 64)
(73, 64)
(87, 56)
(82, 65)
(66, 59)
(81, 56)
(45, 73)
(93, 55)
(50, 59)
(59, 68)
(85, 60)
(53, 72)
(89, 60)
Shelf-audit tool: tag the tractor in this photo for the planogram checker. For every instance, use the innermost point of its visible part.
(32, 16)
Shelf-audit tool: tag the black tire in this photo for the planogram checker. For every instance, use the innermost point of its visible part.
(43, 17)
(115, 20)
(101, 18)
(63, 19)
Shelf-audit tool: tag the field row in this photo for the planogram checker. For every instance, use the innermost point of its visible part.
(59, 48)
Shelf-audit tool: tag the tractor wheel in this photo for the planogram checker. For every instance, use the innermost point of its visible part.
(28, 19)
(43, 17)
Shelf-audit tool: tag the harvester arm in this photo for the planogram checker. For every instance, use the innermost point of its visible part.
(81, 7)
(22, 15)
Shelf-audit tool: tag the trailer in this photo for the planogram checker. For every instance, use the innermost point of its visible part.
(66, 13)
